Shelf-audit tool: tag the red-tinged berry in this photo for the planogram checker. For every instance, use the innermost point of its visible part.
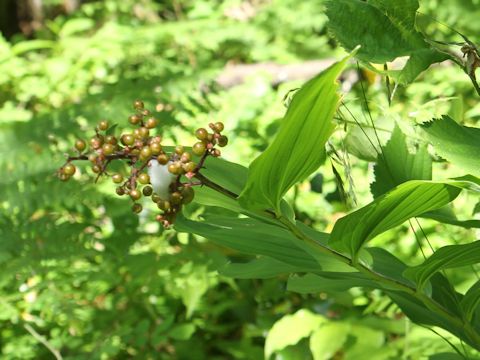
(199, 148)
(117, 178)
(134, 119)
(137, 208)
(80, 145)
(103, 125)
(143, 178)
(151, 123)
(162, 159)
(138, 105)
(201, 134)
(127, 139)
(147, 190)
(186, 157)
(222, 141)
(96, 142)
(69, 169)
(135, 194)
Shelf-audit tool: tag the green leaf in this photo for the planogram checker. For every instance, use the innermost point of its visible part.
(261, 268)
(290, 329)
(329, 339)
(471, 301)
(182, 331)
(458, 144)
(251, 236)
(396, 164)
(407, 200)
(446, 215)
(384, 30)
(299, 147)
(446, 257)
(418, 62)
(328, 282)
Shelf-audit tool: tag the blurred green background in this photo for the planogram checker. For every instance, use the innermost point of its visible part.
(84, 278)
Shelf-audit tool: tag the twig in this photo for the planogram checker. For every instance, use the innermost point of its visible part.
(41, 339)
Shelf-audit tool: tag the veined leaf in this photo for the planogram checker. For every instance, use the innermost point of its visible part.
(329, 282)
(261, 268)
(299, 147)
(444, 258)
(396, 165)
(471, 301)
(389, 210)
(458, 144)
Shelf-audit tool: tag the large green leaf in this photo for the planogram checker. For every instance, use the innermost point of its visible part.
(253, 237)
(458, 144)
(299, 147)
(329, 282)
(385, 29)
(445, 258)
(471, 301)
(396, 164)
(261, 268)
(328, 339)
(390, 210)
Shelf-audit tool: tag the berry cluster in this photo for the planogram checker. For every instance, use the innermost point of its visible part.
(166, 177)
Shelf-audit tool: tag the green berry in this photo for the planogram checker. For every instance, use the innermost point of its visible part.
(179, 149)
(135, 194)
(162, 159)
(188, 194)
(174, 168)
(96, 169)
(69, 169)
(108, 149)
(201, 134)
(146, 112)
(147, 190)
(111, 139)
(156, 198)
(120, 191)
(164, 205)
(199, 148)
(138, 105)
(219, 126)
(134, 119)
(222, 141)
(117, 178)
(156, 148)
(128, 139)
(176, 198)
(189, 166)
(96, 142)
(103, 125)
(151, 123)
(143, 178)
(136, 208)
(145, 153)
(186, 157)
(80, 145)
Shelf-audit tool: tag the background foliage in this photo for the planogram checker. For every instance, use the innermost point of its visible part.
(84, 278)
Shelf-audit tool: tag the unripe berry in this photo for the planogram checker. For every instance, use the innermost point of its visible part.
(164, 205)
(156, 148)
(103, 125)
(111, 139)
(120, 191)
(96, 169)
(146, 112)
(135, 194)
(117, 178)
(145, 153)
(92, 158)
(63, 177)
(162, 159)
(174, 168)
(156, 198)
(136, 208)
(138, 105)
(199, 148)
(188, 194)
(128, 139)
(176, 198)
(156, 139)
(222, 141)
(210, 138)
(69, 169)
(96, 142)
(147, 190)
(144, 132)
(179, 149)
(143, 178)
(80, 145)
(151, 123)
(201, 134)
(134, 119)
(189, 166)
(216, 153)
(218, 127)
(108, 149)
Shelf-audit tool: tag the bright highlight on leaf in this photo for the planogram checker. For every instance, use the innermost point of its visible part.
(299, 147)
